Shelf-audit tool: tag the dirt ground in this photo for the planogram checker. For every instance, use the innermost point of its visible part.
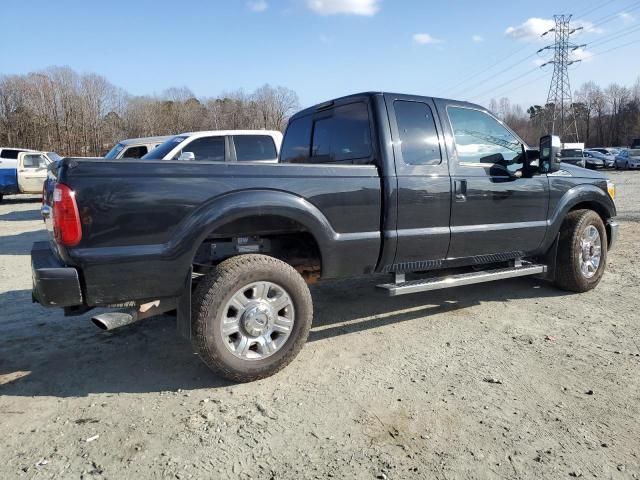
(385, 388)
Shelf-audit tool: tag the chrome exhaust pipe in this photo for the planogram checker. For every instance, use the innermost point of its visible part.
(120, 318)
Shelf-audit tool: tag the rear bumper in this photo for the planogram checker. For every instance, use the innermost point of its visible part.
(54, 284)
(612, 232)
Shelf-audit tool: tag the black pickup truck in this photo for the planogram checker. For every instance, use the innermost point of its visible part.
(435, 193)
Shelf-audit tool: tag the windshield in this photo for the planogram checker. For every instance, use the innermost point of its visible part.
(571, 152)
(113, 153)
(53, 156)
(163, 149)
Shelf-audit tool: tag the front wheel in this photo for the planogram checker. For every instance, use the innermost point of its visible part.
(251, 317)
(582, 251)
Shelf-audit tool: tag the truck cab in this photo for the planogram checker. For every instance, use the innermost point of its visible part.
(22, 171)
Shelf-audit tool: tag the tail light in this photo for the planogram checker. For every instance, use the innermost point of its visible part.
(66, 218)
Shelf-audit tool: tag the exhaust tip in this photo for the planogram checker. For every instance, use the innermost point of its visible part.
(111, 320)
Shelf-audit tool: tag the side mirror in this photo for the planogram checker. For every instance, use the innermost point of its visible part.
(189, 156)
(550, 147)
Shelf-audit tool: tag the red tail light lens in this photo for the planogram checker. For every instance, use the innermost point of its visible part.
(66, 218)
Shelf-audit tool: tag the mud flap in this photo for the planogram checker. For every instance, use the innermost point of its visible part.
(183, 310)
(549, 259)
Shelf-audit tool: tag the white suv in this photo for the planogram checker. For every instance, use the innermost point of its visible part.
(221, 146)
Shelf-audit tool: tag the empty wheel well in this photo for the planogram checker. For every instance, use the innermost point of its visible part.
(275, 236)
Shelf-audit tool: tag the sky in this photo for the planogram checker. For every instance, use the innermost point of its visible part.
(464, 49)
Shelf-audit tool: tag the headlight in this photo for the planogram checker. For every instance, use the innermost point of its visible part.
(611, 188)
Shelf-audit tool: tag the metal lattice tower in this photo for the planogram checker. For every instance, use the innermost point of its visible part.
(561, 120)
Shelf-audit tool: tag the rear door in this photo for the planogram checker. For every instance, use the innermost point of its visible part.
(32, 171)
(424, 186)
(497, 207)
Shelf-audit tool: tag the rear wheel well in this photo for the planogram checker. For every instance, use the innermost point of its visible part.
(271, 235)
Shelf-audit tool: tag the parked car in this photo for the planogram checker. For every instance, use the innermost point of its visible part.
(365, 184)
(221, 146)
(628, 159)
(22, 171)
(573, 156)
(594, 159)
(134, 147)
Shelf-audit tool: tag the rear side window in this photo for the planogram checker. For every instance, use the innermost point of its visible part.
(418, 136)
(206, 149)
(345, 136)
(135, 152)
(251, 148)
(9, 153)
(297, 138)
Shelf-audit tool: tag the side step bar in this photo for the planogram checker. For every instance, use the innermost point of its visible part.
(425, 285)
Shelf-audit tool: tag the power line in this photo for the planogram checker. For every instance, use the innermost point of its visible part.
(529, 72)
(612, 16)
(514, 89)
(591, 10)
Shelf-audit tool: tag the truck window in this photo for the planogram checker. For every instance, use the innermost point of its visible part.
(295, 146)
(481, 139)
(254, 147)
(418, 135)
(9, 153)
(34, 161)
(135, 152)
(345, 136)
(209, 149)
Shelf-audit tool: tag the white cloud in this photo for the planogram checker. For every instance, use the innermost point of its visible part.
(257, 5)
(587, 27)
(581, 54)
(348, 7)
(532, 29)
(538, 62)
(425, 39)
(627, 17)
(477, 39)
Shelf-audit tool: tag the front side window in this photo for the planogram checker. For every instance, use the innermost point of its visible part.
(34, 161)
(418, 136)
(251, 148)
(206, 149)
(135, 152)
(481, 139)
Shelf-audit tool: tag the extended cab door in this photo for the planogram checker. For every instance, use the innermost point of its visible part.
(498, 208)
(424, 187)
(32, 171)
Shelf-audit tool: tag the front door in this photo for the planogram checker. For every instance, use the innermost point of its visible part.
(32, 172)
(498, 209)
(424, 187)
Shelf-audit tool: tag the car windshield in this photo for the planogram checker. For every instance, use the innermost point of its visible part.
(113, 153)
(53, 156)
(571, 152)
(163, 149)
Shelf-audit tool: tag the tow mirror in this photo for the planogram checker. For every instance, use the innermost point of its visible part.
(189, 156)
(550, 147)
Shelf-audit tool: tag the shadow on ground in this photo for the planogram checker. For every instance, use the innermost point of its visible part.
(21, 243)
(45, 353)
(21, 216)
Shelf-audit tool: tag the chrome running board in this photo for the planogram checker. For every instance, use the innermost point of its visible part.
(437, 283)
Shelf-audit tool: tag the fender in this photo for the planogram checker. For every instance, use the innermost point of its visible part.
(582, 193)
(224, 209)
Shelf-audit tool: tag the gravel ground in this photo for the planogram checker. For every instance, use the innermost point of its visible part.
(512, 379)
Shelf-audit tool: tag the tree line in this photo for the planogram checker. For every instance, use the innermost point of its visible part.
(84, 114)
(605, 117)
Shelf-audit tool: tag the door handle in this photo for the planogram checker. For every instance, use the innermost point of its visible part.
(460, 190)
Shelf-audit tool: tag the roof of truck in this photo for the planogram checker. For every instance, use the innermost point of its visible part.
(144, 140)
(231, 132)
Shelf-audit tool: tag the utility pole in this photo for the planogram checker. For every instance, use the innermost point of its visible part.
(562, 120)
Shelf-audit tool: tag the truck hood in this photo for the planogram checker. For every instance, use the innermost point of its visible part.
(580, 172)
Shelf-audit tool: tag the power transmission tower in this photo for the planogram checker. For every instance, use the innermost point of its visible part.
(562, 120)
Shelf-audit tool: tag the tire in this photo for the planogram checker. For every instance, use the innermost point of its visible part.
(572, 259)
(626, 166)
(252, 352)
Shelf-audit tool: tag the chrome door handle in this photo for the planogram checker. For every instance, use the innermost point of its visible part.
(460, 187)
